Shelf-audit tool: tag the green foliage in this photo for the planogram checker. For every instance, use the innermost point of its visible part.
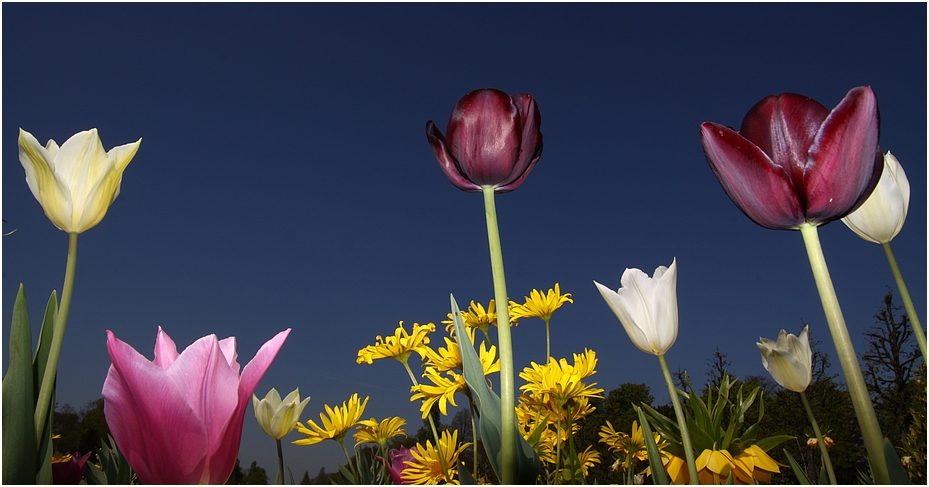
(114, 469)
(488, 403)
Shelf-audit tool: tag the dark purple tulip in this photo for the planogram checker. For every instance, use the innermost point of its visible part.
(795, 162)
(493, 140)
(397, 464)
(70, 472)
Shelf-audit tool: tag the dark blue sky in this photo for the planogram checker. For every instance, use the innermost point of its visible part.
(284, 178)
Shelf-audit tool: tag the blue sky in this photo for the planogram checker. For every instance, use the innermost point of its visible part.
(284, 179)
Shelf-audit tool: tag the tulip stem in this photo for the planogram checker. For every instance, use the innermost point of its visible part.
(823, 450)
(907, 301)
(864, 409)
(280, 464)
(507, 394)
(681, 421)
(44, 402)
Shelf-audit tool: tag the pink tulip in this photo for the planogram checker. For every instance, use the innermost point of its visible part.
(493, 139)
(795, 162)
(397, 464)
(178, 419)
(70, 472)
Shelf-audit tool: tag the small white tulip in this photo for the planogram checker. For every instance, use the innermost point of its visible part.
(789, 360)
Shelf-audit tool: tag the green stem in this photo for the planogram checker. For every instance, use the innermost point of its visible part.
(348, 458)
(474, 435)
(548, 340)
(280, 464)
(435, 432)
(505, 345)
(864, 410)
(681, 421)
(823, 450)
(907, 301)
(44, 402)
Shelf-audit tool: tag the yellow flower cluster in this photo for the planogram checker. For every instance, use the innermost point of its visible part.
(399, 345)
(751, 466)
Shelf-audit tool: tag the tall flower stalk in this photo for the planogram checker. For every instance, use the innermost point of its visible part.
(796, 165)
(491, 143)
(861, 400)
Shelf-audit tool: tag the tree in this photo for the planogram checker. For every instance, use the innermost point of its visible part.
(256, 475)
(718, 368)
(889, 363)
(306, 477)
(238, 476)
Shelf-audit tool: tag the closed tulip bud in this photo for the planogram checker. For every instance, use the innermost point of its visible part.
(492, 139)
(178, 419)
(789, 360)
(77, 182)
(277, 418)
(880, 218)
(646, 307)
(795, 162)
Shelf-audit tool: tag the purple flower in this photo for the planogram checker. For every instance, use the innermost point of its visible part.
(70, 471)
(178, 419)
(493, 139)
(397, 464)
(795, 162)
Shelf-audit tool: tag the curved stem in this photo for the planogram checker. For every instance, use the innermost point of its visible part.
(44, 402)
(823, 449)
(351, 465)
(505, 344)
(864, 409)
(474, 435)
(907, 301)
(681, 421)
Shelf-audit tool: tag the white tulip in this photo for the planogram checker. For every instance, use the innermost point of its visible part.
(77, 182)
(789, 360)
(276, 417)
(880, 218)
(646, 307)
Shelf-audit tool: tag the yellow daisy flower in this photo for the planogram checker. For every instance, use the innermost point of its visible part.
(476, 317)
(540, 305)
(633, 445)
(399, 345)
(370, 431)
(588, 459)
(442, 390)
(559, 382)
(338, 422)
(753, 465)
(426, 465)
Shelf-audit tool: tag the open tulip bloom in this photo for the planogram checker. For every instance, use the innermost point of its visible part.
(795, 165)
(178, 419)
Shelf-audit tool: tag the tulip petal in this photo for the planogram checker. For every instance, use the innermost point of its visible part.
(51, 192)
(530, 149)
(627, 317)
(446, 161)
(484, 137)
(139, 393)
(165, 350)
(223, 460)
(845, 161)
(105, 188)
(757, 186)
(203, 377)
(880, 218)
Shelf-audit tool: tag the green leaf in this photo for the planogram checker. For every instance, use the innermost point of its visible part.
(19, 445)
(798, 472)
(93, 475)
(488, 404)
(659, 474)
(464, 475)
(39, 363)
(898, 475)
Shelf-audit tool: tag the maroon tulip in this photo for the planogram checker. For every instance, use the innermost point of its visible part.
(493, 140)
(397, 464)
(70, 471)
(795, 162)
